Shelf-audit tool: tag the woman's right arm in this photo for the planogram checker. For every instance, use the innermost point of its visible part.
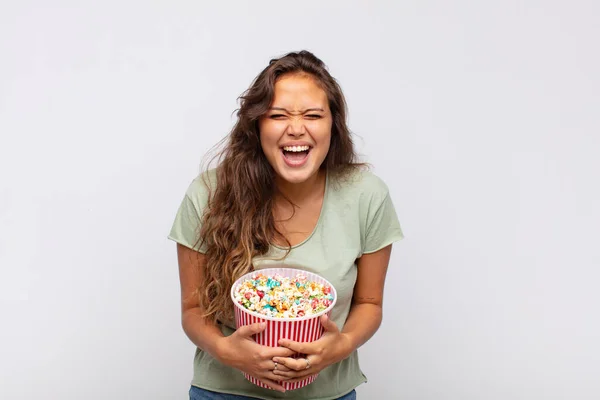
(204, 334)
(238, 350)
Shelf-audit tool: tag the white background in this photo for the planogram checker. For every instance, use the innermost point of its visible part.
(482, 117)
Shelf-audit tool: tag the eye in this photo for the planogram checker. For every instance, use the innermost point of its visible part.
(277, 116)
(313, 116)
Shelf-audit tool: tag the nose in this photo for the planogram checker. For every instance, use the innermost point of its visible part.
(296, 126)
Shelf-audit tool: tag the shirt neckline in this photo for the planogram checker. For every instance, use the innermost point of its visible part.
(318, 224)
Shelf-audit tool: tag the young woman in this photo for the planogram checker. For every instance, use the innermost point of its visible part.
(287, 190)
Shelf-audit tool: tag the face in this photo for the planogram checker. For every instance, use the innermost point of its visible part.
(295, 133)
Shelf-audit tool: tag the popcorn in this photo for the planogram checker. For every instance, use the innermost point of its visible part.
(283, 297)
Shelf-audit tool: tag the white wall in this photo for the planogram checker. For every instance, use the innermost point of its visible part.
(482, 117)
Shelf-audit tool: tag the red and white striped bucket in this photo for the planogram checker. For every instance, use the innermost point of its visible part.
(303, 329)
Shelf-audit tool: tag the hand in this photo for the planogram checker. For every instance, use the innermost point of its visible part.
(332, 347)
(240, 351)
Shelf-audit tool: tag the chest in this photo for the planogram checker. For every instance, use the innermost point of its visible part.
(297, 224)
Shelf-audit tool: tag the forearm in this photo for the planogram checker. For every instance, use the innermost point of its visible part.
(362, 323)
(204, 334)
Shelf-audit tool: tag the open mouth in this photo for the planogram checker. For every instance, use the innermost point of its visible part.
(295, 155)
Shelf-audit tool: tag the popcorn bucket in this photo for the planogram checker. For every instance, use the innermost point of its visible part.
(300, 329)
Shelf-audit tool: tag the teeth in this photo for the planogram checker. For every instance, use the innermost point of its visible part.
(296, 148)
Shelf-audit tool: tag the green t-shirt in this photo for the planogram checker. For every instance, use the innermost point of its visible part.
(357, 217)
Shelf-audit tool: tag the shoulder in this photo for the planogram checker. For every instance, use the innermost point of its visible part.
(361, 184)
(360, 200)
(201, 187)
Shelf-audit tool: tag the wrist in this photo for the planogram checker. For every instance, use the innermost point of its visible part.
(221, 351)
(347, 346)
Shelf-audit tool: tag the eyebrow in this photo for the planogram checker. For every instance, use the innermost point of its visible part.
(305, 111)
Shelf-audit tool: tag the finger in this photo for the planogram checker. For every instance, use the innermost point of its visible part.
(292, 375)
(291, 363)
(252, 329)
(297, 347)
(285, 375)
(270, 370)
(281, 368)
(281, 377)
(279, 352)
(328, 324)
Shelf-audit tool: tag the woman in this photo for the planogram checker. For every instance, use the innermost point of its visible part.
(287, 191)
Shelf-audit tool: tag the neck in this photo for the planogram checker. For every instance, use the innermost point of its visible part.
(300, 192)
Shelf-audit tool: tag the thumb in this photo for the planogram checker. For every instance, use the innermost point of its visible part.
(328, 324)
(252, 329)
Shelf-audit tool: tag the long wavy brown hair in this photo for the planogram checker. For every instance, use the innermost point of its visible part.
(238, 222)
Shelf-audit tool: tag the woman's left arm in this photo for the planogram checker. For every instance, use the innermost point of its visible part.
(362, 323)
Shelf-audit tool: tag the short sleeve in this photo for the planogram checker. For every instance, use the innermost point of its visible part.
(188, 220)
(383, 227)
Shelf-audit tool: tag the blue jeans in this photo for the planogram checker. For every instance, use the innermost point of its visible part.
(202, 394)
